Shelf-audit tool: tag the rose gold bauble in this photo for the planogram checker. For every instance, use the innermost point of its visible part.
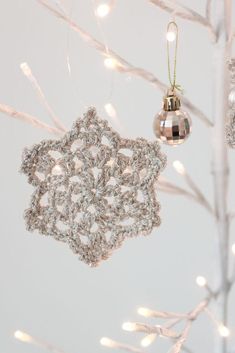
(172, 125)
(172, 128)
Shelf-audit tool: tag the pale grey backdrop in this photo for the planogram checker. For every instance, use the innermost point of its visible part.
(45, 290)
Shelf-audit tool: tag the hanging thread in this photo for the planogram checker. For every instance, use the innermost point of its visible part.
(172, 78)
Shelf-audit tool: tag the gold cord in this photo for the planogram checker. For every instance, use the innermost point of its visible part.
(172, 79)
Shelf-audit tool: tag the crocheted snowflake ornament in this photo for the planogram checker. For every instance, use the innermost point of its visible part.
(93, 189)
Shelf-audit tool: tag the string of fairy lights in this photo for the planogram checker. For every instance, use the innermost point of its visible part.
(102, 11)
(152, 331)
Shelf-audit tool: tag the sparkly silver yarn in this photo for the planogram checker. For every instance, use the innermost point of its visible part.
(230, 129)
(231, 67)
(93, 189)
(230, 125)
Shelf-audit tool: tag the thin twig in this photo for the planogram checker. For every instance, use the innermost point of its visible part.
(159, 330)
(178, 339)
(171, 188)
(128, 348)
(26, 338)
(179, 344)
(232, 215)
(198, 192)
(122, 65)
(174, 322)
(168, 187)
(176, 9)
(212, 317)
(195, 111)
(29, 74)
(192, 317)
(47, 346)
(182, 11)
(6, 109)
(232, 279)
(208, 10)
(109, 343)
(165, 315)
(186, 349)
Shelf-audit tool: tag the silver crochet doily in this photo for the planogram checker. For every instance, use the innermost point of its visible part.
(93, 189)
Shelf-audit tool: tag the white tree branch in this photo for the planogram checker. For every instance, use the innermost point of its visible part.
(232, 215)
(165, 330)
(109, 343)
(26, 338)
(6, 109)
(186, 349)
(168, 187)
(164, 315)
(122, 65)
(192, 317)
(208, 10)
(222, 21)
(128, 348)
(158, 330)
(183, 11)
(32, 79)
(200, 196)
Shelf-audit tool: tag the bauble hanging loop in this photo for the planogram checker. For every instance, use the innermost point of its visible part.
(172, 125)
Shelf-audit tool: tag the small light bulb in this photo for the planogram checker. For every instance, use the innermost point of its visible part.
(107, 342)
(22, 336)
(110, 110)
(179, 167)
(201, 281)
(102, 10)
(147, 340)
(57, 170)
(233, 248)
(224, 331)
(129, 326)
(170, 36)
(144, 312)
(110, 163)
(25, 69)
(110, 63)
(231, 98)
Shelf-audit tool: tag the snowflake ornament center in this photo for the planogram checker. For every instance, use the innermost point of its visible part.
(93, 189)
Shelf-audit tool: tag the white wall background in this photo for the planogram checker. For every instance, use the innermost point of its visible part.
(45, 290)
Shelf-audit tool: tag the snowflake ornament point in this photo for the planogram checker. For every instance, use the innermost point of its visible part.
(230, 125)
(93, 189)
